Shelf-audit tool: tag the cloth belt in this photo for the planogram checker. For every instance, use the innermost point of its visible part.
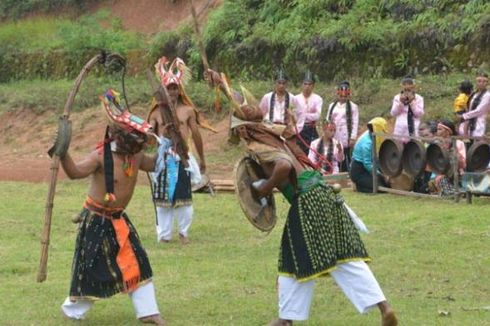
(105, 212)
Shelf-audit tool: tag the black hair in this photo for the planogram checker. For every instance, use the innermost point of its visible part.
(407, 80)
(344, 85)
(481, 73)
(466, 87)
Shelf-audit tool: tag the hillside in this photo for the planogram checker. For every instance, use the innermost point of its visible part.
(24, 158)
(152, 16)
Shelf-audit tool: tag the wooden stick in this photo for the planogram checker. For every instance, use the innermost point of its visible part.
(408, 193)
(55, 163)
(169, 115)
(200, 43)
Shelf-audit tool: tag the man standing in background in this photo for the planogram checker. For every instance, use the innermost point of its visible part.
(308, 112)
(407, 109)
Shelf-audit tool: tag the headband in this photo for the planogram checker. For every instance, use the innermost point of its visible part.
(445, 127)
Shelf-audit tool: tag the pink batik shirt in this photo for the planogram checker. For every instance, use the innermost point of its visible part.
(279, 113)
(308, 109)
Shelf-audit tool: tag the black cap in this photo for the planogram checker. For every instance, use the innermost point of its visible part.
(309, 77)
(343, 85)
(281, 75)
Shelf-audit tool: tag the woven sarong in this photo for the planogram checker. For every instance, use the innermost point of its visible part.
(172, 187)
(319, 234)
(100, 268)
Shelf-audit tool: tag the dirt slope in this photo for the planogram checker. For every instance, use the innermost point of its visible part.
(151, 16)
(27, 136)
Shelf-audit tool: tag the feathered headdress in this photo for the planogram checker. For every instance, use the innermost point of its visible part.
(177, 73)
(121, 117)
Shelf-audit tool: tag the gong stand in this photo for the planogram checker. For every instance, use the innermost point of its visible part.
(453, 162)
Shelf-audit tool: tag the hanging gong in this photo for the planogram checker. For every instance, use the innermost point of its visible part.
(478, 156)
(390, 157)
(414, 158)
(438, 159)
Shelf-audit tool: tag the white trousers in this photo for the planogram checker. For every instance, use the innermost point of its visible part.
(165, 221)
(354, 278)
(143, 298)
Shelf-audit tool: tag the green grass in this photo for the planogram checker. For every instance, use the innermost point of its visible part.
(429, 256)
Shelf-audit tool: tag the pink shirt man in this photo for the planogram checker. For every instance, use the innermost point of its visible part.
(400, 112)
(308, 109)
(278, 115)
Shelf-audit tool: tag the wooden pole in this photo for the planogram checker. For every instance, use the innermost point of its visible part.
(55, 163)
(408, 193)
(375, 163)
(455, 167)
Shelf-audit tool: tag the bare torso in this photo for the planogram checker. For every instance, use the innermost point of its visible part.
(184, 114)
(93, 166)
(123, 185)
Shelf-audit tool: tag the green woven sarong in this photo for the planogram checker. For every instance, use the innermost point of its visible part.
(319, 233)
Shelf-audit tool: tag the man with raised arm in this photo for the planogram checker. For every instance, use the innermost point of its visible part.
(319, 237)
(109, 257)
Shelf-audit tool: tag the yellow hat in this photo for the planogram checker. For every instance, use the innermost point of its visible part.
(379, 124)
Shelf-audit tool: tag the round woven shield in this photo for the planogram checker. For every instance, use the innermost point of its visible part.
(390, 157)
(438, 159)
(478, 157)
(413, 158)
(261, 212)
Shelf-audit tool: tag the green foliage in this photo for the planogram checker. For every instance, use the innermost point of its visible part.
(251, 39)
(58, 48)
(342, 38)
(374, 95)
(14, 9)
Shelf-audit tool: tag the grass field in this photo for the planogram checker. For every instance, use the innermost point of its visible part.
(430, 257)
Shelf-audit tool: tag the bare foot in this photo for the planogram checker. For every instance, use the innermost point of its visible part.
(389, 319)
(153, 319)
(281, 322)
(183, 240)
